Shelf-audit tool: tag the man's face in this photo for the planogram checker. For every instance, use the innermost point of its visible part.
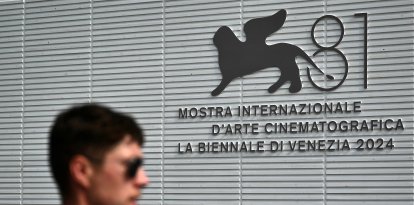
(110, 184)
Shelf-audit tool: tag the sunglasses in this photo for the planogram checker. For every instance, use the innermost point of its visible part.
(132, 165)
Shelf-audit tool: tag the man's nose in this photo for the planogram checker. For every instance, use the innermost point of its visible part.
(141, 178)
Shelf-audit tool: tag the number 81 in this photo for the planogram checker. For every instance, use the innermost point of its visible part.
(334, 49)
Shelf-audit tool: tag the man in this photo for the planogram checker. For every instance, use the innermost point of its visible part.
(96, 157)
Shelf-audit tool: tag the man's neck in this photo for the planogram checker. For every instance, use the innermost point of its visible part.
(76, 199)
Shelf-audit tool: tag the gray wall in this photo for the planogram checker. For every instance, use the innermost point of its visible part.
(150, 58)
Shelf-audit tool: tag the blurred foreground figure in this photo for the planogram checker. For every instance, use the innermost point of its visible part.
(96, 158)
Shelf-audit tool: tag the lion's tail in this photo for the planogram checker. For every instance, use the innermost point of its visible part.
(305, 56)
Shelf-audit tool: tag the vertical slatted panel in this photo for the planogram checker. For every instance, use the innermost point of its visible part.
(283, 177)
(127, 72)
(57, 67)
(150, 58)
(11, 23)
(379, 176)
(191, 73)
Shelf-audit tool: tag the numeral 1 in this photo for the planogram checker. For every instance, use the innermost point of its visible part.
(365, 16)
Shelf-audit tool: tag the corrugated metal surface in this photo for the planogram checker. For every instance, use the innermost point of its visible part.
(150, 58)
(190, 73)
(11, 36)
(283, 178)
(376, 177)
(56, 74)
(127, 72)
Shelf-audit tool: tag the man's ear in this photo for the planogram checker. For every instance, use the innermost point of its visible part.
(81, 171)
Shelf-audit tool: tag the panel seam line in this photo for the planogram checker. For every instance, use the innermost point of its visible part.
(23, 101)
(324, 99)
(241, 118)
(91, 52)
(163, 102)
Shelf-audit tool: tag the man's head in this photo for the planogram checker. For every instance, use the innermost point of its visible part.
(95, 156)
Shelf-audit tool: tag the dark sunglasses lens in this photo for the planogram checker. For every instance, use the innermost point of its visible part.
(133, 166)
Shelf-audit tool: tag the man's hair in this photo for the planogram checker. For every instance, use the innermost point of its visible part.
(90, 130)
